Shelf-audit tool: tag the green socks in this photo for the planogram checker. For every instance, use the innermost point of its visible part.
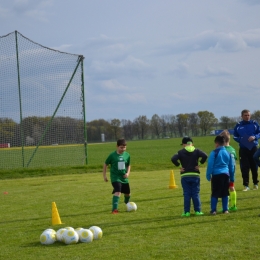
(233, 198)
(127, 198)
(115, 202)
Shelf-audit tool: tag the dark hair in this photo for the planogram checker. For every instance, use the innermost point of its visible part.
(244, 111)
(219, 140)
(121, 142)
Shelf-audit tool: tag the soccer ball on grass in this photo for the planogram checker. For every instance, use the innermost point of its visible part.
(131, 206)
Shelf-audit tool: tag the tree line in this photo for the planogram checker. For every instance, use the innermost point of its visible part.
(66, 130)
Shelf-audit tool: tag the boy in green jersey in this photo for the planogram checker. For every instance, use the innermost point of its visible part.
(232, 151)
(119, 162)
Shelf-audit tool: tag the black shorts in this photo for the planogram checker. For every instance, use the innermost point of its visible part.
(220, 185)
(121, 187)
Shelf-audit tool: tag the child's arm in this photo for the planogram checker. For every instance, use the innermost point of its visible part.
(231, 168)
(203, 157)
(175, 160)
(105, 172)
(128, 172)
(210, 166)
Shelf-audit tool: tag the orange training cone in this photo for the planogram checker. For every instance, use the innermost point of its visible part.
(172, 184)
(55, 215)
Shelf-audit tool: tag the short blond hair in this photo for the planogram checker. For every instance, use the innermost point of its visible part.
(225, 133)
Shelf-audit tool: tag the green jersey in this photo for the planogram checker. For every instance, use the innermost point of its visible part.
(119, 164)
(232, 151)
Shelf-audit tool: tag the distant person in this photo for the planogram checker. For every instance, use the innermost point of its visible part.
(220, 171)
(188, 160)
(119, 162)
(232, 151)
(246, 133)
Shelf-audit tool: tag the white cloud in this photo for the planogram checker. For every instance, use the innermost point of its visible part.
(215, 72)
(113, 85)
(34, 9)
(181, 70)
(214, 41)
(129, 66)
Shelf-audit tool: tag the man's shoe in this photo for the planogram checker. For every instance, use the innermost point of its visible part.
(246, 188)
(213, 212)
(225, 212)
(233, 208)
(199, 213)
(115, 211)
(187, 214)
(255, 187)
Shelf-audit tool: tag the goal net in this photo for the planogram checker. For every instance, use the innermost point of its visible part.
(42, 107)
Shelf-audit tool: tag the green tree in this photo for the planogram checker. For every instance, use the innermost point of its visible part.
(207, 120)
(182, 124)
(115, 125)
(256, 116)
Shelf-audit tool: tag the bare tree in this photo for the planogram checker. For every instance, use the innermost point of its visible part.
(156, 125)
(127, 127)
(193, 122)
(115, 124)
(142, 126)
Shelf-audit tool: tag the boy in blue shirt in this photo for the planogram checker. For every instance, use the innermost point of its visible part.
(220, 171)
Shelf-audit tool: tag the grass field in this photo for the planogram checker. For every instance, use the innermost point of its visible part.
(154, 231)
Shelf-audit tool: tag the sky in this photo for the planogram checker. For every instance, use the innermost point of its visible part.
(146, 57)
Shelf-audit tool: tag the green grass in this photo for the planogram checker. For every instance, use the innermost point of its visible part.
(154, 231)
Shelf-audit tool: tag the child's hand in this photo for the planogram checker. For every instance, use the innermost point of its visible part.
(126, 175)
(182, 169)
(105, 179)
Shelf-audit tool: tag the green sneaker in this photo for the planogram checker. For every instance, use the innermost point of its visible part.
(233, 208)
(187, 214)
(199, 213)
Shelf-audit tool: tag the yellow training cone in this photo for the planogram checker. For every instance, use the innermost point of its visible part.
(172, 184)
(55, 215)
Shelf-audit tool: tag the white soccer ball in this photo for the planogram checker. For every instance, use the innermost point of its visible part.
(131, 206)
(50, 229)
(48, 237)
(70, 237)
(85, 235)
(97, 232)
(69, 228)
(59, 234)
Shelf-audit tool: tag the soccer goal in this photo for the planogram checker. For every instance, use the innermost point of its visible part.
(42, 105)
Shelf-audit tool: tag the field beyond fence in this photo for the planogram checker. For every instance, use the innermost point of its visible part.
(155, 231)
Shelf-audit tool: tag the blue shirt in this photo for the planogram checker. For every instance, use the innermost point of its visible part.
(219, 162)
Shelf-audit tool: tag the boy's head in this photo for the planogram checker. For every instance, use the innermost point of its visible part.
(219, 140)
(226, 136)
(186, 141)
(121, 145)
(121, 142)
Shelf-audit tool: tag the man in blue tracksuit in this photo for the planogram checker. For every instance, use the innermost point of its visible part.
(246, 133)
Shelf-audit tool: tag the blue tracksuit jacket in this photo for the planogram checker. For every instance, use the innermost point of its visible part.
(219, 162)
(246, 128)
